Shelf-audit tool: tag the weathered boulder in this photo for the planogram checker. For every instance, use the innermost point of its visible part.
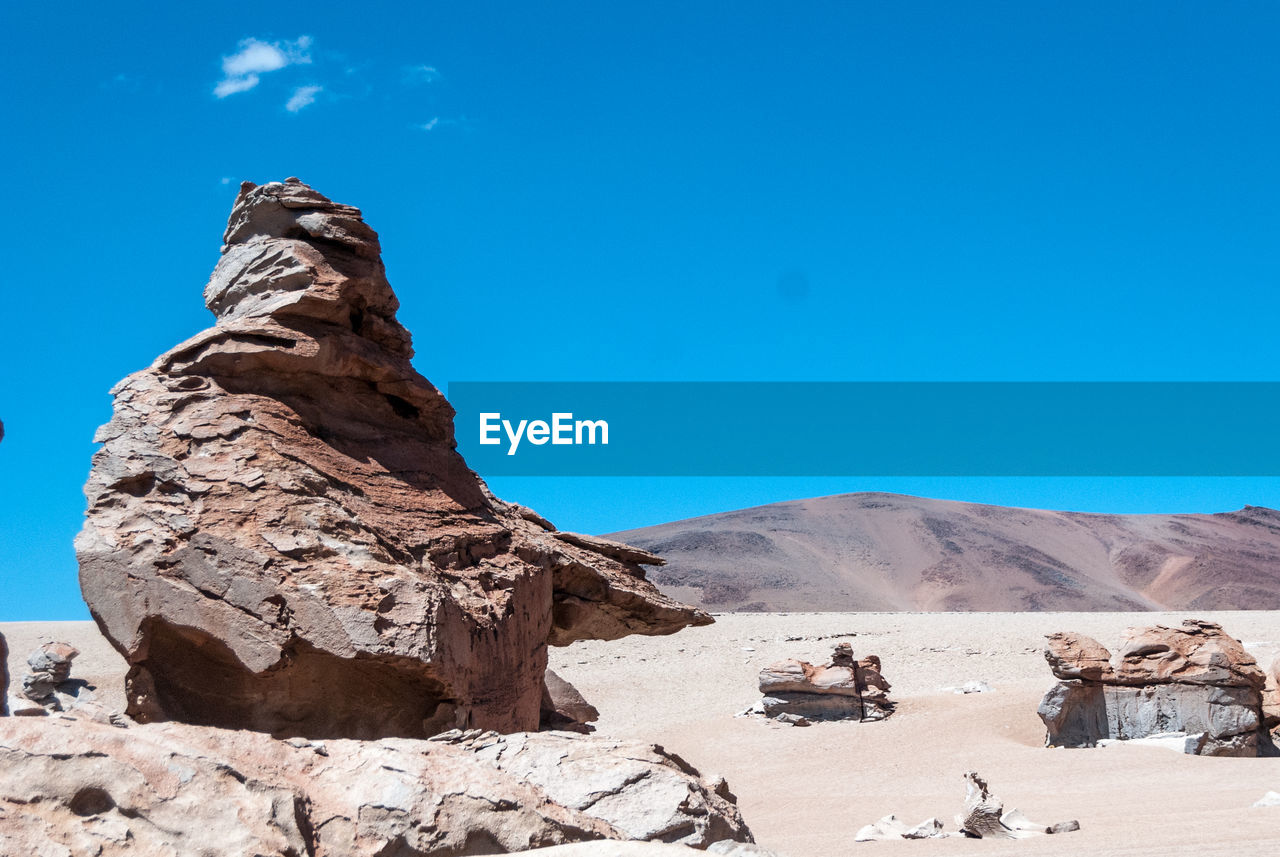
(1196, 653)
(50, 666)
(1073, 656)
(844, 689)
(77, 787)
(281, 535)
(563, 707)
(1192, 681)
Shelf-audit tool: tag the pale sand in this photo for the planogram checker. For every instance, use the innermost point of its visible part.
(806, 791)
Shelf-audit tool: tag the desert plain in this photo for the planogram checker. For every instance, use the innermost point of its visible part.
(805, 791)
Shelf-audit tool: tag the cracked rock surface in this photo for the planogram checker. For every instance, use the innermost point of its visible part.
(281, 535)
(72, 787)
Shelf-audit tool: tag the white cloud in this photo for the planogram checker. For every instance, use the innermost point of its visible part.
(232, 85)
(302, 97)
(431, 123)
(421, 74)
(241, 71)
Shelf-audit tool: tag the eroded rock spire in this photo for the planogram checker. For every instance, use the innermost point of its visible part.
(281, 535)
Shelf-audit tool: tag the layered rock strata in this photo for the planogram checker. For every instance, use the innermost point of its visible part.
(281, 535)
(77, 787)
(1194, 681)
(844, 689)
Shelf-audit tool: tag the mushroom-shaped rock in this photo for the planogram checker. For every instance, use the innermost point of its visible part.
(1195, 685)
(281, 535)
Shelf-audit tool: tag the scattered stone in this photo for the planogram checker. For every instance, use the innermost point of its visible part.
(563, 706)
(1193, 686)
(844, 689)
(729, 848)
(281, 535)
(889, 827)
(615, 848)
(792, 719)
(930, 828)
(984, 816)
(969, 687)
(78, 787)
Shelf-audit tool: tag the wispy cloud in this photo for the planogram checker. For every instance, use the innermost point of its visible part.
(302, 97)
(440, 122)
(242, 70)
(421, 74)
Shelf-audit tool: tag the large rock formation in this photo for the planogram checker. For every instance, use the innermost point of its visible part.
(1195, 681)
(77, 787)
(282, 537)
(844, 689)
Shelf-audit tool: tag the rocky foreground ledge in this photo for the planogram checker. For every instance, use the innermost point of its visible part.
(72, 786)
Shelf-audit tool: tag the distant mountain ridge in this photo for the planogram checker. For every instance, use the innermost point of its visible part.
(873, 551)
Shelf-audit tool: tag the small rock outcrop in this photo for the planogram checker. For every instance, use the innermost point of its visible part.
(78, 787)
(281, 535)
(48, 688)
(1195, 685)
(50, 667)
(564, 708)
(844, 689)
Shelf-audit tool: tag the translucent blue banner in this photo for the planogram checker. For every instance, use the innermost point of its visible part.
(868, 429)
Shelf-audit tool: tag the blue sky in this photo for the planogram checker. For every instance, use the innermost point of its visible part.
(657, 191)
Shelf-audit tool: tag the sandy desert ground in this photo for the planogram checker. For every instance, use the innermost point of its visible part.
(806, 791)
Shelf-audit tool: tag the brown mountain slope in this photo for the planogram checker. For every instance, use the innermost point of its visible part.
(892, 552)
